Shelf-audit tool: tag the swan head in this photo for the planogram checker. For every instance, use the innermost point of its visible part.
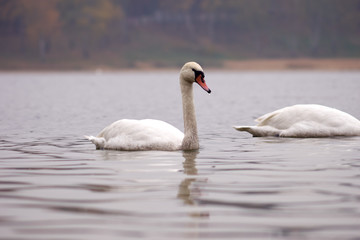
(192, 72)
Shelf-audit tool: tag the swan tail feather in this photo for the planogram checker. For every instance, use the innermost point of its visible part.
(242, 128)
(259, 131)
(98, 141)
(248, 129)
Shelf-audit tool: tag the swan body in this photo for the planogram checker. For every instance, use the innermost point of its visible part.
(145, 134)
(150, 134)
(304, 121)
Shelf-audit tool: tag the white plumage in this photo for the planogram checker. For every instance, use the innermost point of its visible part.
(133, 135)
(150, 134)
(304, 120)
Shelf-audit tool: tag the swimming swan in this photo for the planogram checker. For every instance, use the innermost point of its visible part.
(149, 134)
(304, 121)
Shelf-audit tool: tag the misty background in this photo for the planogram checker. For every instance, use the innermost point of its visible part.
(79, 34)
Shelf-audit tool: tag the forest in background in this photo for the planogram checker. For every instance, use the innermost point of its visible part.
(111, 34)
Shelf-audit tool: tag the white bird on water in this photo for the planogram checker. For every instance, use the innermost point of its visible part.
(304, 121)
(150, 134)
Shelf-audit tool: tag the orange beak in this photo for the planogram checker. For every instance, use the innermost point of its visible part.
(201, 81)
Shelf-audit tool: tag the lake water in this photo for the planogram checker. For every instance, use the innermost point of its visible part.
(55, 185)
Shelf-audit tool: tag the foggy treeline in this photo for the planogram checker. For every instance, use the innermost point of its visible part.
(120, 32)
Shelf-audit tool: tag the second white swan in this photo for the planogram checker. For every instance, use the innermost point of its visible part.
(304, 121)
(149, 134)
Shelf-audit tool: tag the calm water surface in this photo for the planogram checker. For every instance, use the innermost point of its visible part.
(55, 185)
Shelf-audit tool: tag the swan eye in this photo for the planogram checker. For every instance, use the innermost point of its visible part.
(197, 73)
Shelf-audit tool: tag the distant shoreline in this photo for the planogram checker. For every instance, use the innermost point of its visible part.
(331, 64)
(295, 64)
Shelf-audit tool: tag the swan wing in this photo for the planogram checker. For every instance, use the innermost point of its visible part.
(288, 116)
(146, 134)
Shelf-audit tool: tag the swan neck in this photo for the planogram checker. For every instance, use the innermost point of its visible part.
(190, 140)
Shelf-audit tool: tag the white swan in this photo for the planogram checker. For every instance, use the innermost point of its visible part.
(149, 134)
(304, 120)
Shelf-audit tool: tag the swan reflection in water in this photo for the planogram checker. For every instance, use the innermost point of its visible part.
(189, 165)
(187, 192)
